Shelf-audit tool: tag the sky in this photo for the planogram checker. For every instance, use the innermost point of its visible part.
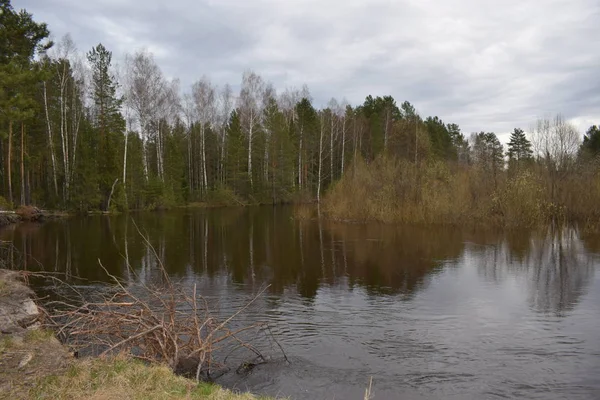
(485, 65)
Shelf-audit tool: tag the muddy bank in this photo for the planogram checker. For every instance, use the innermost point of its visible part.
(8, 218)
(28, 214)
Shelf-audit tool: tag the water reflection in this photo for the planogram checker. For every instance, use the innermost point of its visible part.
(428, 312)
(254, 246)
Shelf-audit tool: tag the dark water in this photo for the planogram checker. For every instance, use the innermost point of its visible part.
(428, 313)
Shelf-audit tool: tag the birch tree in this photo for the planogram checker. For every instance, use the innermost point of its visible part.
(204, 95)
(225, 107)
(68, 77)
(145, 92)
(251, 106)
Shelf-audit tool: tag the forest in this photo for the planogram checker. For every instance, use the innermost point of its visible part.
(79, 133)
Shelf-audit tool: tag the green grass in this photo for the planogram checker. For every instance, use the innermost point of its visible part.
(38, 335)
(124, 378)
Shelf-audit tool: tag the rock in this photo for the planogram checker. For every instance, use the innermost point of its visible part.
(17, 309)
(25, 360)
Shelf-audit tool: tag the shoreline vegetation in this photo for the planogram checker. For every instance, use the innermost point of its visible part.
(35, 365)
(78, 136)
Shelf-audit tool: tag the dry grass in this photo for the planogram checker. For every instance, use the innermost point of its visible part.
(124, 378)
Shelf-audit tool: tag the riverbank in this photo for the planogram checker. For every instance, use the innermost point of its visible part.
(35, 365)
(28, 214)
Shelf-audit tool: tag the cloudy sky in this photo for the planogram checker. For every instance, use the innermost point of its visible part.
(486, 65)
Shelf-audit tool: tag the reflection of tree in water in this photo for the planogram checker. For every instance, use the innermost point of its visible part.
(560, 270)
(253, 246)
(248, 246)
(393, 259)
(554, 262)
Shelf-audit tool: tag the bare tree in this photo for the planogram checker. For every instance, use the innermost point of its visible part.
(344, 112)
(251, 107)
(145, 92)
(204, 95)
(189, 111)
(555, 144)
(69, 75)
(322, 123)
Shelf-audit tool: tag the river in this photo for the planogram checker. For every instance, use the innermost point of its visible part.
(428, 313)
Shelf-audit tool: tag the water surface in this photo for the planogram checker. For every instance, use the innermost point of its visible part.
(429, 313)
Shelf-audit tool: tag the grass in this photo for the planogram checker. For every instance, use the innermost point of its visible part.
(124, 378)
(3, 287)
(38, 335)
(53, 374)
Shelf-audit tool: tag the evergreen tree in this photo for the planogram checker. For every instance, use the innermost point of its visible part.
(237, 176)
(591, 141)
(440, 139)
(459, 143)
(488, 154)
(107, 119)
(519, 149)
(21, 39)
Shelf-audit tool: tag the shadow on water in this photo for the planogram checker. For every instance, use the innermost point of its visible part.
(428, 312)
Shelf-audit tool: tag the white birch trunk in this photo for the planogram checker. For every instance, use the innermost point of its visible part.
(50, 140)
(250, 136)
(320, 159)
(300, 159)
(343, 144)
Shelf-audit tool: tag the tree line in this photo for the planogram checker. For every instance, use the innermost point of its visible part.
(78, 133)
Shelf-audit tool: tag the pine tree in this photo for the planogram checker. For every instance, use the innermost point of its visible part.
(108, 121)
(21, 38)
(591, 141)
(488, 154)
(519, 150)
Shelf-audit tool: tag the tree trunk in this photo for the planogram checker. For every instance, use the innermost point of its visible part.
(343, 144)
(385, 134)
(125, 168)
(112, 190)
(300, 159)
(50, 141)
(222, 158)
(23, 164)
(331, 149)
(250, 134)
(203, 145)
(320, 159)
(190, 167)
(9, 162)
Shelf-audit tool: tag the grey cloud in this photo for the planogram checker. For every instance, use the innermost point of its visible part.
(486, 65)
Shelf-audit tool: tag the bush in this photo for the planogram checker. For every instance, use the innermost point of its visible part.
(5, 204)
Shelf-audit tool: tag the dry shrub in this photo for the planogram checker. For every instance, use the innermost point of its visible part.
(29, 213)
(167, 323)
(434, 192)
(522, 201)
(393, 190)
